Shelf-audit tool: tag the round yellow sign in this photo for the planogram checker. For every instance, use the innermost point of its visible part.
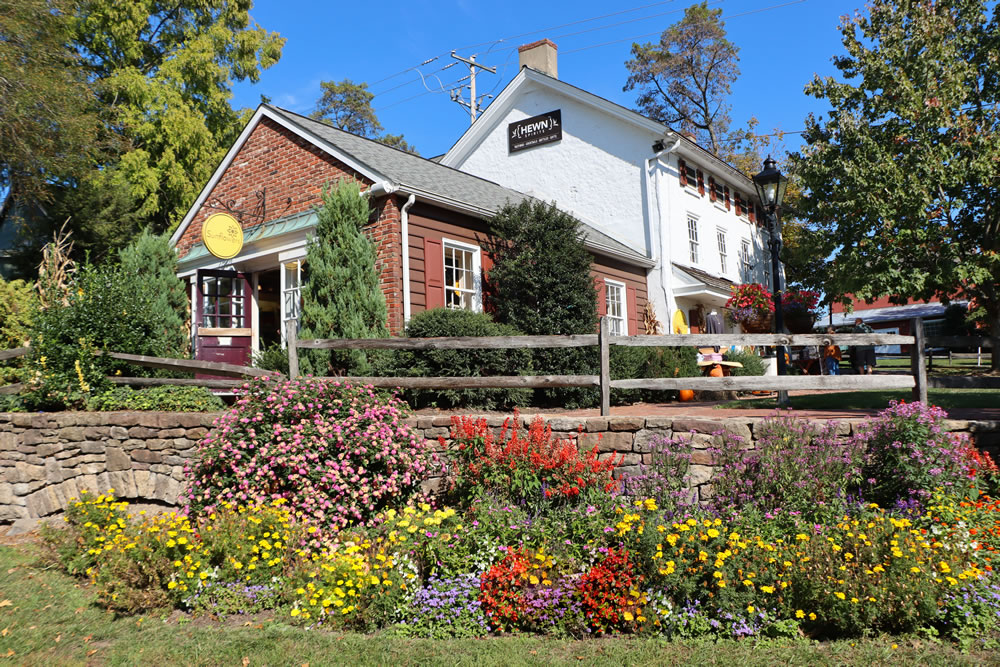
(222, 235)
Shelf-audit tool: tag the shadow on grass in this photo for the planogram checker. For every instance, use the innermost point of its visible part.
(51, 619)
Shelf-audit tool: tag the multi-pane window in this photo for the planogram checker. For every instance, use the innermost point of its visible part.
(222, 301)
(615, 292)
(691, 174)
(291, 292)
(461, 276)
(693, 238)
(720, 236)
(720, 192)
(746, 262)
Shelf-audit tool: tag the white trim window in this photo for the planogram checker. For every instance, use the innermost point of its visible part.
(462, 271)
(617, 304)
(693, 238)
(746, 261)
(720, 237)
(291, 293)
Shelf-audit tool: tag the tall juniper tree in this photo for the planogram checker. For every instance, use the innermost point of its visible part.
(151, 265)
(341, 297)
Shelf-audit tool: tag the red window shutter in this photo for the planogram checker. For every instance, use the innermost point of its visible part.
(602, 297)
(487, 263)
(727, 198)
(738, 200)
(434, 273)
(682, 170)
(750, 212)
(701, 183)
(633, 311)
(711, 188)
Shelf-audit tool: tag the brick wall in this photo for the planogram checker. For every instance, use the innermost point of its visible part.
(279, 161)
(289, 167)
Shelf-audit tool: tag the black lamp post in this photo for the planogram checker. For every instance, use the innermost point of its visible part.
(771, 184)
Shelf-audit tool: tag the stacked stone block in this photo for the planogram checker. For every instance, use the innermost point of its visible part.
(46, 459)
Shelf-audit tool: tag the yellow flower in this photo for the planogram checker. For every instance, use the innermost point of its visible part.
(800, 614)
(840, 595)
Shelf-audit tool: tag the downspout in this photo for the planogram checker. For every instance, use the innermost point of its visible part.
(404, 232)
(659, 226)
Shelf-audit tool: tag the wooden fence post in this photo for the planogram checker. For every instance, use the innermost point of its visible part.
(292, 341)
(602, 340)
(917, 365)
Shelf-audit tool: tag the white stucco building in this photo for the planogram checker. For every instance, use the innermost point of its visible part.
(634, 179)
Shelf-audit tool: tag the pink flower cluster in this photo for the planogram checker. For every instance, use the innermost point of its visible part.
(339, 454)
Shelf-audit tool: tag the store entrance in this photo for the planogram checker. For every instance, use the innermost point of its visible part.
(269, 307)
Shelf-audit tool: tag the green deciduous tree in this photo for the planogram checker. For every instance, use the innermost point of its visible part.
(164, 72)
(904, 172)
(541, 284)
(341, 297)
(686, 77)
(161, 75)
(151, 265)
(347, 106)
(48, 125)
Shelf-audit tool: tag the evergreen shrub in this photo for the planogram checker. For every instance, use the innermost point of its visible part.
(650, 362)
(541, 284)
(150, 265)
(272, 357)
(337, 453)
(461, 363)
(752, 363)
(167, 398)
(341, 296)
(103, 310)
(18, 304)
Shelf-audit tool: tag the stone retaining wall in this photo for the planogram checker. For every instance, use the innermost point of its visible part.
(48, 458)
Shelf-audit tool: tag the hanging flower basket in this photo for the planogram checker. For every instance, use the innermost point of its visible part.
(799, 310)
(750, 307)
(800, 323)
(756, 325)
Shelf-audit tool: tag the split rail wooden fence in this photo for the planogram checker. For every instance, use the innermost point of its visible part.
(916, 379)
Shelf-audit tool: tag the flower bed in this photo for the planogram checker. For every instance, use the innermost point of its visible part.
(512, 558)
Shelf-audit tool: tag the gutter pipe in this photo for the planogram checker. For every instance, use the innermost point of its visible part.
(659, 222)
(404, 232)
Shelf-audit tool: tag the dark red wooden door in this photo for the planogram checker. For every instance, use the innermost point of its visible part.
(224, 332)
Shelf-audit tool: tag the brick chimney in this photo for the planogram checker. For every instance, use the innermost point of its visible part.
(541, 56)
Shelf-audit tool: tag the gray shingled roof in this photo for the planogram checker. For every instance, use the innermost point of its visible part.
(406, 169)
(705, 277)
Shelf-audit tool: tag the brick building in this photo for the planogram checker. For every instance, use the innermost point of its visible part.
(427, 222)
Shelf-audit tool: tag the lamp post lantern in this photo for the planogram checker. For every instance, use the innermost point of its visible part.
(771, 184)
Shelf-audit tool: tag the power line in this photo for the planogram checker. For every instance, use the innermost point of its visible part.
(583, 48)
(495, 42)
(523, 34)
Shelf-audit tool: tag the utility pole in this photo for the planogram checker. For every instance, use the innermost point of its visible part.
(456, 96)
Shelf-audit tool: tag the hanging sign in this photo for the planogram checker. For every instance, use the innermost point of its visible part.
(222, 235)
(534, 131)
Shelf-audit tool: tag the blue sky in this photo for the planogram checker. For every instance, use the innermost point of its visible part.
(783, 44)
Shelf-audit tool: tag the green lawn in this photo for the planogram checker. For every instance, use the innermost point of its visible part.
(876, 400)
(47, 618)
